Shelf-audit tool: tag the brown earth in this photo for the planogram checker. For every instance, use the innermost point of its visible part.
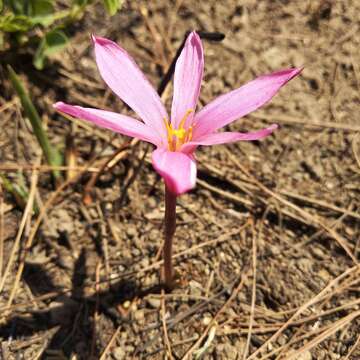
(285, 209)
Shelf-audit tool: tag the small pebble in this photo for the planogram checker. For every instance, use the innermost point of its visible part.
(119, 353)
(207, 320)
(154, 303)
(126, 304)
(139, 315)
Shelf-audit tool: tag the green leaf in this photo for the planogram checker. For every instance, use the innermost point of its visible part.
(42, 12)
(19, 7)
(112, 6)
(19, 191)
(14, 23)
(1, 5)
(52, 155)
(53, 42)
(41, 7)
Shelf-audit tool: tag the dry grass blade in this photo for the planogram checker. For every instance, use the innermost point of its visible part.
(27, 212)
(46, 168)
(163, 320)
(253, 294)
(305, 123)
(224, 194)
(335, 327)
(354, 347)
(355, 148)
(305, 306)
(110, 344)
(320, 203)
(96, 312)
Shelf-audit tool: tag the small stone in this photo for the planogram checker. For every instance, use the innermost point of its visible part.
(139, 315)
(206, 320)
(195, 288)
(119, 353)
(152, 203)
(129, 349)
(136, 252)
(318, 253)
(131, 232)
(306, 355)
(154, 303)
(230, 352)
(126, 304)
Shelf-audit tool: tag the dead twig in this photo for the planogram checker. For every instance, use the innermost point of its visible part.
(353, 348)
(96, 312)
(305, 123)
(253, 293)
(45, 168)
(355, 148)
(163, 320)
(27, 212)
(110, 344)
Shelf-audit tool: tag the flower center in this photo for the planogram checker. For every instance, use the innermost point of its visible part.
(179, 136)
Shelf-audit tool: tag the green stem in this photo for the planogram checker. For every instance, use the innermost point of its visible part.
(170, 225)
(52, 155)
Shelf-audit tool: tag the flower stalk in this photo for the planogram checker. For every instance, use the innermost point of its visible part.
(169, 231)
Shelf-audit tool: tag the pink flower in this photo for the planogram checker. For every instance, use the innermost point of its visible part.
(175, 138)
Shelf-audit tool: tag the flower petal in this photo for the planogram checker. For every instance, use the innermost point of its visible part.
(227, 137)
(127, 81)
(177, 169)
(240, 102)
(109, 120)
(187, 80)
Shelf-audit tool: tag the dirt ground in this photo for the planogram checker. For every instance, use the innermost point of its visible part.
(267, 245)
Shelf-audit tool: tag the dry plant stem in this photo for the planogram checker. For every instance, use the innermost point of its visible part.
(170, 225)
(110, 344)
(27, 212)
(163, 319)
(353, 348)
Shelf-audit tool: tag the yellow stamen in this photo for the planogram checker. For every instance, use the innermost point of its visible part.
(182, 122)
(177, 137)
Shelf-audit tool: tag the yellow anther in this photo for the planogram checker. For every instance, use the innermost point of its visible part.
(182, 122)
(179, 133)
(189, 134)
(177, 137)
